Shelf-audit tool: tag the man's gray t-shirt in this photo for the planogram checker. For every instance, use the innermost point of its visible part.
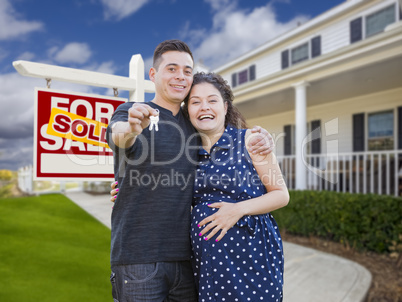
(151, 215)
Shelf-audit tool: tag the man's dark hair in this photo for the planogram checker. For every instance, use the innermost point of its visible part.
(169, 45)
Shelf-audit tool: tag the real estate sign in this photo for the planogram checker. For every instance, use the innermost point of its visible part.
(69, 135)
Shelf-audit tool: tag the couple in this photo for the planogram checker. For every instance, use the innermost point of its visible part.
(236, 247)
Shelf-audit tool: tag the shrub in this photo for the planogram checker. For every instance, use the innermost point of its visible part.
(365, 221)
(6, 175)
(6, 191)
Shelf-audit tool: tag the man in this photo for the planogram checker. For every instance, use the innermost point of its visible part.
(154, 166)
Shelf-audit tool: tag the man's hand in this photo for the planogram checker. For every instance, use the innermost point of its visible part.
(261, 141)
(125, 133)
(138, 117)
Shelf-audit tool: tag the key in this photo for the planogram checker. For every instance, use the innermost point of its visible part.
(154, 121)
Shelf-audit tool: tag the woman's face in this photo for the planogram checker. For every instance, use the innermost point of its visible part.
(207, 109)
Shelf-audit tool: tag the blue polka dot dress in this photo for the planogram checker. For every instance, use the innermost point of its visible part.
(247, 264)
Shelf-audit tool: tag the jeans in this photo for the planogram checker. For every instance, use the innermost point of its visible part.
(154, 282)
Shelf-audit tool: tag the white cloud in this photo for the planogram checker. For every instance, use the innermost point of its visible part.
(73, 52)
(27, 56)
(148, 62)
(11, 25)
(17, 101)
(236, 31)
(219, 5)
(16, 153)
(105, 67)
(120, 9)
(17, 107)
(3, 54)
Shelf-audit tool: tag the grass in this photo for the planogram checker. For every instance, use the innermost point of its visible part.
(52, 250)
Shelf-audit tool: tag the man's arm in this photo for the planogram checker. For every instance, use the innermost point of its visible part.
(260, 141)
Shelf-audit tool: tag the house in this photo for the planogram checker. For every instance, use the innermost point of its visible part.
(330, 92)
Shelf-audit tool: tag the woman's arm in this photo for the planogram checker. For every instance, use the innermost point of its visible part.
(277, 196)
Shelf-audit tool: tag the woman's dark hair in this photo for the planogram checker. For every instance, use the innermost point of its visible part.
(169, 45)
(233, 115)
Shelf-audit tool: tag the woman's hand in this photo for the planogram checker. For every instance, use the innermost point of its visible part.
(225, 218)
(114, 191)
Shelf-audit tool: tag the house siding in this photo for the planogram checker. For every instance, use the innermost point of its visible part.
(335, 36)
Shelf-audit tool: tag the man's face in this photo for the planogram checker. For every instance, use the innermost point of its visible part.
(174, 76)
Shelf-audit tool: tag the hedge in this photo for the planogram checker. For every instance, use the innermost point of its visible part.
(364, 221)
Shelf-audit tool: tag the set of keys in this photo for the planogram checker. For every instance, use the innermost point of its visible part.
(154, 121)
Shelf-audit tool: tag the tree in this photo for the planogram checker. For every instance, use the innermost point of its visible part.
(6, 175)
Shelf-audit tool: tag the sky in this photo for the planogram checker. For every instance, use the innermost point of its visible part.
(103, 35)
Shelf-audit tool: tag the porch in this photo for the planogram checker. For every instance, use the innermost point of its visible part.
(377, 172)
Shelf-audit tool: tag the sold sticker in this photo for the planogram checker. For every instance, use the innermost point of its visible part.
(75, 127)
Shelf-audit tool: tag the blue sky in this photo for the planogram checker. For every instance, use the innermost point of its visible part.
(102, 35)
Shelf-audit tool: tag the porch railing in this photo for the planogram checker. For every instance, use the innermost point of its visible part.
(378, 172)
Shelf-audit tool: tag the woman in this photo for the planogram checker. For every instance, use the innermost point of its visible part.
(238, 253)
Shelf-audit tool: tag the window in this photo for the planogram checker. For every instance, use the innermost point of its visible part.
(300, 53)
(376, 22)
(308, 50)
(244, 76)
(381, 130)
(373, 24)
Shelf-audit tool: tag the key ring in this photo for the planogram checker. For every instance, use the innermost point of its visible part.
(154, 121)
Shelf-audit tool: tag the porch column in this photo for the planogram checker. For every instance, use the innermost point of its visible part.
(301, 132)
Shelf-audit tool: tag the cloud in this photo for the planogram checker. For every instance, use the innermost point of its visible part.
(12, 26)
(108, 67)
(16, 153)
(120, 9)
(235, 31)
(73, 52)
(219, 5)
(3, 54)
(27, 56)
(18, 99)
(17, 107)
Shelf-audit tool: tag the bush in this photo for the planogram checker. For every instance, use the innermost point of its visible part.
(6, 175)
(6, 191)
(364, 221)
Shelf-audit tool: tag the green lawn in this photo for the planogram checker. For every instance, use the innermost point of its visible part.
(52, 250)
